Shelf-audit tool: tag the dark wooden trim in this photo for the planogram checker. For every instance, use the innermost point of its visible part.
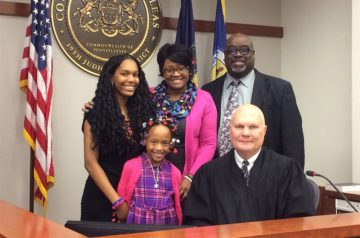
(14, 9)
(320, 208)
(351, 196)
(328, 200)
(231, 28)
(254, 30)
(169, 23)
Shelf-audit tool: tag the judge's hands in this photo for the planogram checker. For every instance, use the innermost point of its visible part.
(87, 106)
(122, 212)
(184, 188)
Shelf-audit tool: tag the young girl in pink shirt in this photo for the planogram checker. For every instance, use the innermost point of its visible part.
(149, 184)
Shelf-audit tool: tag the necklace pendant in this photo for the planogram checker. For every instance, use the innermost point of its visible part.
(156, 185)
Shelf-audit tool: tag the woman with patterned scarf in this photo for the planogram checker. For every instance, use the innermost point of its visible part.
(193, 109)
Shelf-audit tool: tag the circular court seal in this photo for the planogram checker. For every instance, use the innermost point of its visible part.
(91, 31)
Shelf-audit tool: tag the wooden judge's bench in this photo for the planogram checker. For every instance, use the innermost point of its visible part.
(17, 222)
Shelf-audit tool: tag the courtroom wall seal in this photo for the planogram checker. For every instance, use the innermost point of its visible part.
(91, 31)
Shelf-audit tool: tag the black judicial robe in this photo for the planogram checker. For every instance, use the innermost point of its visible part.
(219, 195)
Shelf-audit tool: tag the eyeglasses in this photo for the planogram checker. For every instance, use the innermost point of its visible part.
(243, 50)
(181, 69)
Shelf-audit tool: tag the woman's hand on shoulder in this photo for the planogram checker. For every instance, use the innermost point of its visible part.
(87, 106)
(184, 188)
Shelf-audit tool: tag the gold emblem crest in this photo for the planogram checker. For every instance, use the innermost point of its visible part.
(91, 31)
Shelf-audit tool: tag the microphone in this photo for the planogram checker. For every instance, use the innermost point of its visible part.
(313, 174)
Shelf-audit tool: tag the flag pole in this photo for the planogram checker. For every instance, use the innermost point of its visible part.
(31, 181)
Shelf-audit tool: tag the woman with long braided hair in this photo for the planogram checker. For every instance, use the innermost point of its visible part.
(112, 132)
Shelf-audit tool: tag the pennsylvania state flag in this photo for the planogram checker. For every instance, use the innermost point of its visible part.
(185, 34)
(218, 68)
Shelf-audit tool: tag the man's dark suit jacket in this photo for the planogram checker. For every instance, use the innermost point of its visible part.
(276, 98)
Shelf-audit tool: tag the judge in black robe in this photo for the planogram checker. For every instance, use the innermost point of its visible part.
(219, 195)
(277, 187)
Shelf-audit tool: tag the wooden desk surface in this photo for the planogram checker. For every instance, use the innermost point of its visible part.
(17, 222)
(341, 225)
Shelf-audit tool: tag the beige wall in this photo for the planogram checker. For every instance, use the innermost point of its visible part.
(310, 55)
(316, 58)
(14, 155)
(355, 90)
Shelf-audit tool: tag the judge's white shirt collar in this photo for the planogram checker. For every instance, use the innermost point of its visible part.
(251, 160)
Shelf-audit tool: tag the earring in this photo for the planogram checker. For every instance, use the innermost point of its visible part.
(174, 142)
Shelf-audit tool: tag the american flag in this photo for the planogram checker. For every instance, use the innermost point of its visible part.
(36, 81)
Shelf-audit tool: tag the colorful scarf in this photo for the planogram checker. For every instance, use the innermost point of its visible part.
(178, 109)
